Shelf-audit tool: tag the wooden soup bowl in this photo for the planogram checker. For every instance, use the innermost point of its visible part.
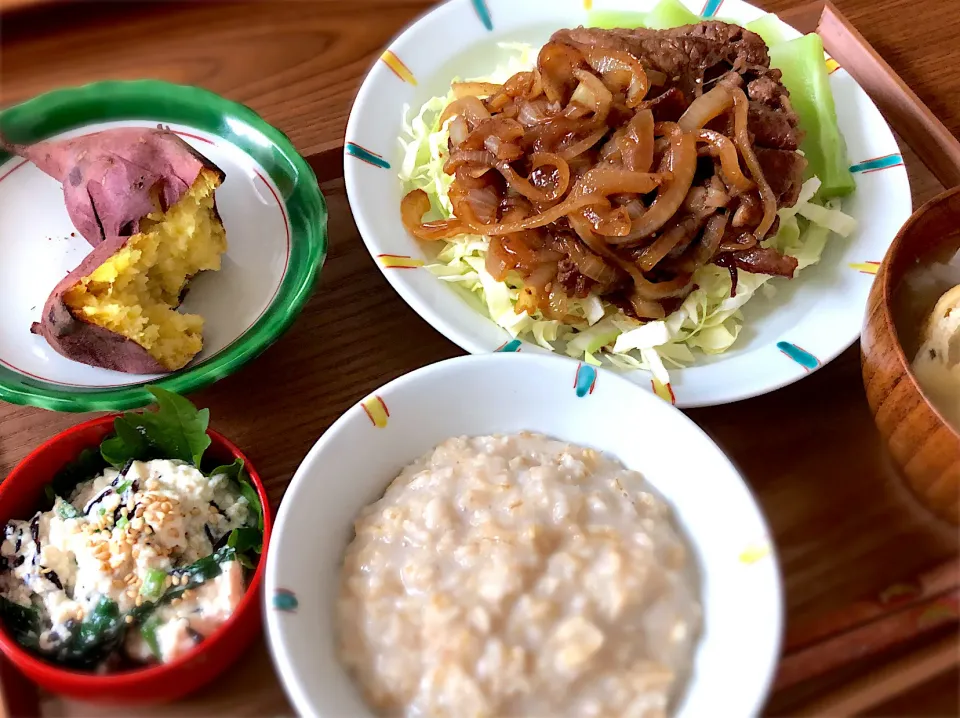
(923, 444)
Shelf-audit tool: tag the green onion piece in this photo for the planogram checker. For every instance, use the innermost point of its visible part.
(122, 522)
(153, 584)
(149, 632)
(124, 486)
(66, 510)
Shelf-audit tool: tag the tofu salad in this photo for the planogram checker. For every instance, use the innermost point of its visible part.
(142, 560)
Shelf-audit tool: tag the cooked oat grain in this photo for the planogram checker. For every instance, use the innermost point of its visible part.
(517, 575)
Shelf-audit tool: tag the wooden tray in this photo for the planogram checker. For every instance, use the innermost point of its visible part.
(870, 577)
(842, 641)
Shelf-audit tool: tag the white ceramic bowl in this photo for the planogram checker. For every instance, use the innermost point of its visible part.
(810, 321)
(272, 209)
(366, 448)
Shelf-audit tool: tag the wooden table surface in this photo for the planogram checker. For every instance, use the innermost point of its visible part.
(844, 526)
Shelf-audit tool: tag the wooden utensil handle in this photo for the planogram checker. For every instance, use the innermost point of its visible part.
(907, 114)
(870, 639)
(891, 680)
(925, 589)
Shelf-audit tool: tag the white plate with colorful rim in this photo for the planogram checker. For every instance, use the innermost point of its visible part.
(810, 320)
(740, 585)
(271, 206)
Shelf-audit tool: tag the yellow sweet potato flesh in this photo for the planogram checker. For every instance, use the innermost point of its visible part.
(136, 292)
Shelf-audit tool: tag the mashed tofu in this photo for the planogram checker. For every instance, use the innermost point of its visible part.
(518, 576)
(110, 535)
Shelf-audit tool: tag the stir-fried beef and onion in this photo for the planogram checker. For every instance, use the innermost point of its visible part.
(623, 162)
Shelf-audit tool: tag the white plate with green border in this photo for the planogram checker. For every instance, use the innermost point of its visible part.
(271, 206)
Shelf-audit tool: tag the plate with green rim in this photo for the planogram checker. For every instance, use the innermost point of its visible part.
(270, 204)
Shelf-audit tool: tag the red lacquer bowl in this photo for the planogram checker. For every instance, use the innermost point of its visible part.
(20, 494)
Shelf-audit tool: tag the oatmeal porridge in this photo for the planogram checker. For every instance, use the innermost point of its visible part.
(517, 576)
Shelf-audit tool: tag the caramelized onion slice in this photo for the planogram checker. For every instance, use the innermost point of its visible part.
(504, 151)
(722, 147)
(607, 61)
(522, 86)
(740, 108)
(517, 252)
(571, 204)
(550, 159)
(588, 263)
(532, 112)
(459, 131)
(474, 89)
(746, 213)
(578, 148)
(613, 180)
(478, 200)
(708, 245)
(497, 263)
(636, 145)
(556, 64)
(522, 185)
(412, 208)
(470, 108)
(643, 288)
(645, 308)
(681, 162)
(491, 134)
(656, 78)
(677, 287)
(503, 127)
(533, 295)
(653, 253)
(527, 85)
(471, 159)
(706, 107)
(525, 187)
(613, 223)
(745, 241)
(592, 93)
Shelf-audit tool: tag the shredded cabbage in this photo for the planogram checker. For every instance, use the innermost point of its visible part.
(709, 320)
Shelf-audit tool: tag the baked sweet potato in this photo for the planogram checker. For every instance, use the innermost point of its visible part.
(114, 178)
(118, 309)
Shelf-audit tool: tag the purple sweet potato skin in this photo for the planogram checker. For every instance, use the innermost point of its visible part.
(87, 343)
(109, 177)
